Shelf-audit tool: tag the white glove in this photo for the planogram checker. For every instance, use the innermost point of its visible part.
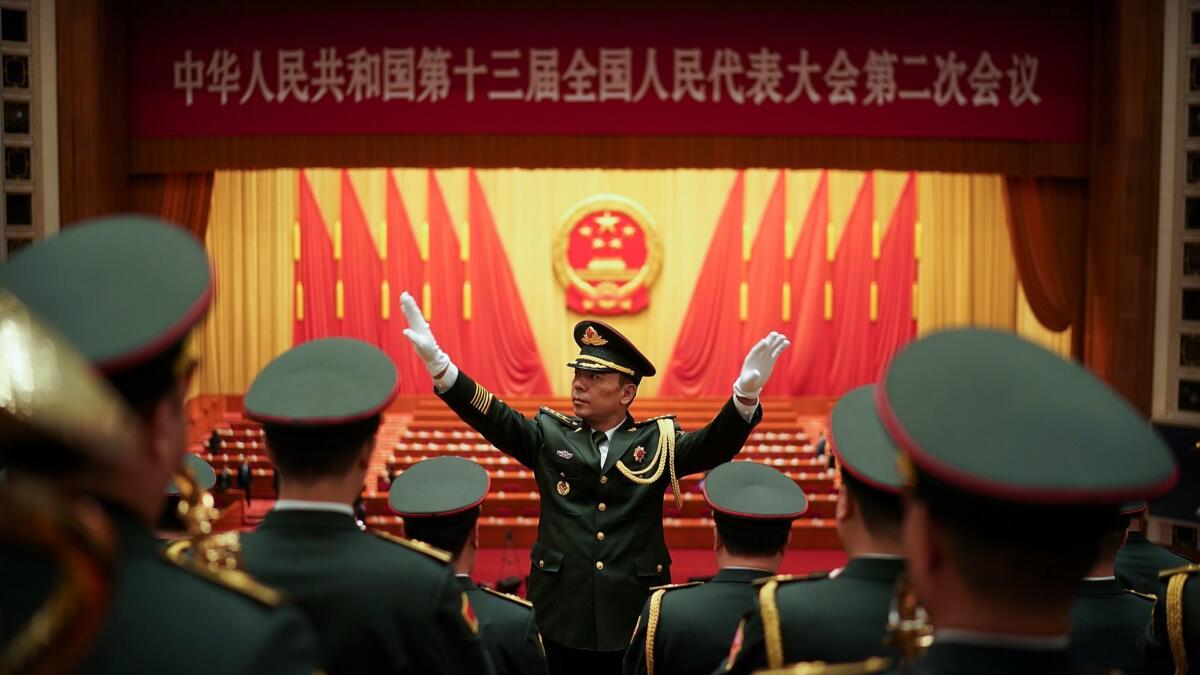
(421, 337)
(759, 363)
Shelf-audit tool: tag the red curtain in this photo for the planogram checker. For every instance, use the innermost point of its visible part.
(501, 350)
(896, 325)
(444, 274)
(403, 270)
(707, 354)
(852, 364)
(182, 198)
(808, 373)
(360, 270)
(1046, 220)
(765, 279)
(314, 303)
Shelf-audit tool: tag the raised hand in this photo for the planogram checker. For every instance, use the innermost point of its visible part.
(759, 363)
(421, 337)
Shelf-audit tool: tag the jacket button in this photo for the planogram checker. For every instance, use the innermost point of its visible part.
(599, 565)
(603, 480)
(541, 564)
(600, 536)
(602, 507)
(658, 569)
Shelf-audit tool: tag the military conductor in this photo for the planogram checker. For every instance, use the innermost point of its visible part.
(601, 476)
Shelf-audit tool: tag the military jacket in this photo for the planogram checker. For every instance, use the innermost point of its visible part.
(1106, 623)
(1177, 611)
(693, 625)
(957, 658)
(377, 605)
(166, 619)
(600, 545)
(836, 619)
(1139, 561)
(509, 632)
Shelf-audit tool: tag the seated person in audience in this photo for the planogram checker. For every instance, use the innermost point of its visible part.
(840, 616)
(685, 628)
(379, 604)
(1108, 619)
(1139, 561)
(440, 501)
(125, 291)
(1172, 641)
(1017, 461)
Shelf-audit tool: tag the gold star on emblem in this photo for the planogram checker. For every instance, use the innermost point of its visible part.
(607, 222)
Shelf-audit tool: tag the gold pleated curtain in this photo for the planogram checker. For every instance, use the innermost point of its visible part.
(966, 273)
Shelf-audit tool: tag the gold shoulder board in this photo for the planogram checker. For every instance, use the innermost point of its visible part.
(418, 546)
(652, 420)
(235, 580)
(565, 419)
(671, 587)
(875, 664)
(1186, 569)
(508, 596)
(786, 578)
(1145, 596)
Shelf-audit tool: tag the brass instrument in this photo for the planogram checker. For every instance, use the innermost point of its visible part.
(908, 626)
(202, 548)
(52, 400)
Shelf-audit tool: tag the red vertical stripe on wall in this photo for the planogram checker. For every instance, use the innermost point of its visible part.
(444, 271)
(897, 273)
(361, 270)
(315, 271)
(404, 271)
(853, 270)
(501, 350)
(808, 371)
(765, 279)
(707, 354)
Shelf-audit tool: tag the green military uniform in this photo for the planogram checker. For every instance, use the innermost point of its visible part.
(1004, 437)
(125, 291)
(839, 617)
(686, 628)
(1139, 561)
(1106, 622)
(440, 501)
(600, 546)
(1172, 640)
(378, 603)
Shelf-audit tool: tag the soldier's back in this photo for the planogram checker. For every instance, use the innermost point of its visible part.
(1106, 623)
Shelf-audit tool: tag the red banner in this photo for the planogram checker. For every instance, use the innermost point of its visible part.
(978, 73)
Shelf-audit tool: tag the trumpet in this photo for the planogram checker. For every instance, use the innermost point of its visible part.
(908, 628)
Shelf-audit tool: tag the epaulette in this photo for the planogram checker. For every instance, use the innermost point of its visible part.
(234, 580)
(875, 664)
(671, 587)
(786, 578)
(1145, 596)
(652, 420)
(565, 419)
(507, 596)
(418, 546)
(1186, 569)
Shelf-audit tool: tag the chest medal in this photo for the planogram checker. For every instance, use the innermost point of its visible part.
(563, 487)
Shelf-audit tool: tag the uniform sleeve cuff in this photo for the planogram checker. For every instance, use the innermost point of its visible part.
(442, 384)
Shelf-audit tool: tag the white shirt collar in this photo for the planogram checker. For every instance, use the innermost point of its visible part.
(306, 505)
(1010, 640)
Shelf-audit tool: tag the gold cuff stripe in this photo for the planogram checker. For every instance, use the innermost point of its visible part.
(482, 400)
(606, 364)
(772, 635)
(1175, 622)
(652, 628)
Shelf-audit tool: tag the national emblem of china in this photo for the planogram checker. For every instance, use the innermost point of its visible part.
(606, 256)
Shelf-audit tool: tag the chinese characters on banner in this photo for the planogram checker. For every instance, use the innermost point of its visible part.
(452, 73)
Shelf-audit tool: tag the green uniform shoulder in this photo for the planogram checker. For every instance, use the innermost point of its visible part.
(565, 420)
(672, 587)
(653, 421)
(418, 546)
(236, 581)
(875, 664)
(789, 578)
(506, 596)
(1186, 569)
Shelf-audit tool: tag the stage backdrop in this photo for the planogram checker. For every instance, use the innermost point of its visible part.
(287, 240)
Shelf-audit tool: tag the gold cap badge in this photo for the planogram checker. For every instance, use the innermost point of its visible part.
(591, 337)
